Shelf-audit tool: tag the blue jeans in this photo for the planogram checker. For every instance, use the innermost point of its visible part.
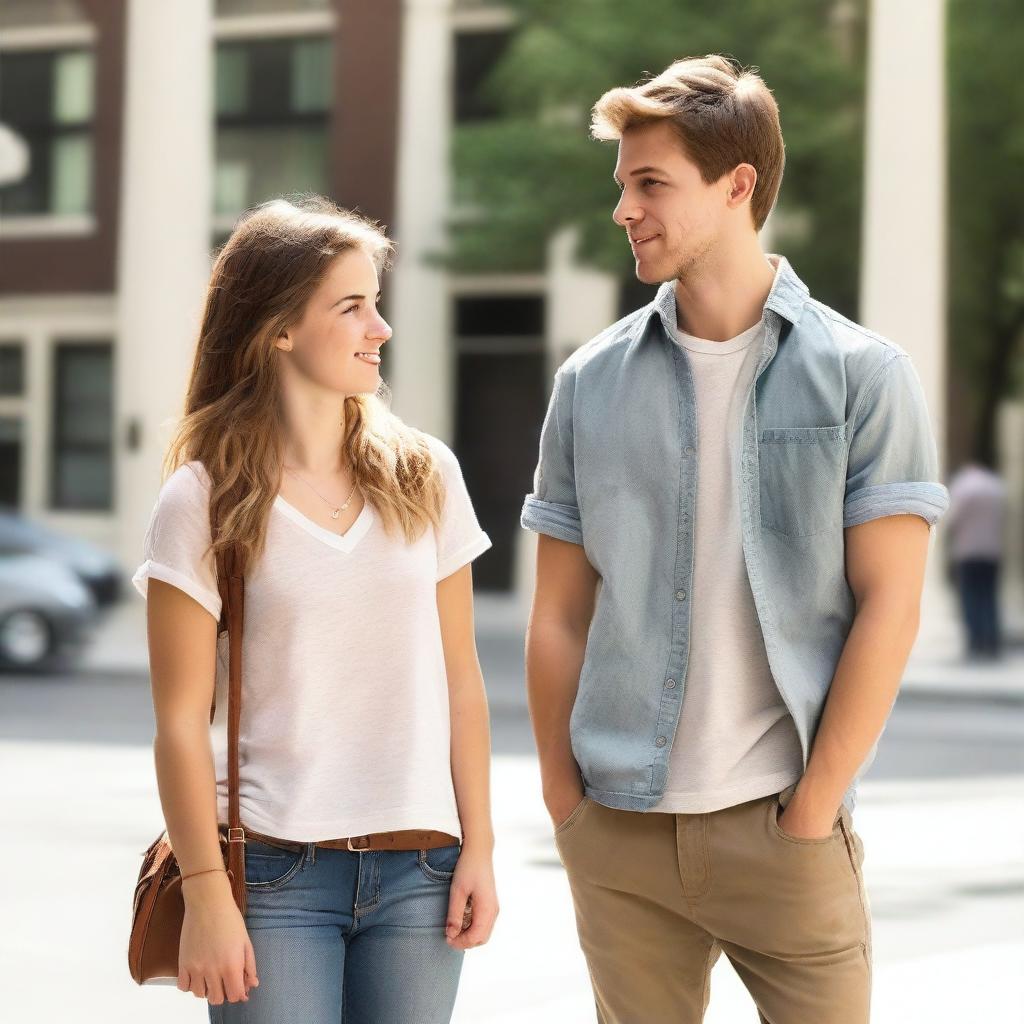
(978, 579)
(346, 936)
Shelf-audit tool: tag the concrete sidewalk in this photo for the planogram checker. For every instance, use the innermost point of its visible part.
(943, 865)
(936, 667)
(943, 869)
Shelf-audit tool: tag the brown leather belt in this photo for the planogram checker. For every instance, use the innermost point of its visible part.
(404, 839)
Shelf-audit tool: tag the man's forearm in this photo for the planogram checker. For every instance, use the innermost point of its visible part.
(861, 696)
(554, 658)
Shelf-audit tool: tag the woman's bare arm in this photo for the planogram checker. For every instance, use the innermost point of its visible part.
(215, 952)
(470, 760)
(182, 662)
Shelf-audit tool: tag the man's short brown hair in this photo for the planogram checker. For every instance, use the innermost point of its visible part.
(723, 114)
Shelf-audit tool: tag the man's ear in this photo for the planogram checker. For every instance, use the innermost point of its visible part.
(742, 182)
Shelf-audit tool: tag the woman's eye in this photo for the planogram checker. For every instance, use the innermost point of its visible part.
(349, 310)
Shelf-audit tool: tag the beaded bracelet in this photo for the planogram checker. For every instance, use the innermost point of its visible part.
(203, 872)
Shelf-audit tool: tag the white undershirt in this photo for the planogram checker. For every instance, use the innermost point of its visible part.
(345, 724)
(735, 740)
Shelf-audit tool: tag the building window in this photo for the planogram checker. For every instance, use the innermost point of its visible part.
(476, 55)
(82, 432)
(12, 369)
(47, 98)
(249, 8)
(11, 446)
(273, 100)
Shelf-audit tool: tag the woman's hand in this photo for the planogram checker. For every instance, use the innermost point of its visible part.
(215, 958)
(473, 899)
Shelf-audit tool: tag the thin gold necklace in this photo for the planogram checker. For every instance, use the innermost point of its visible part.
(336, 510)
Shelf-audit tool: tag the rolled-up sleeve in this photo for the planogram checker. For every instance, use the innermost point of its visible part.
(553, 507)
(893, 463)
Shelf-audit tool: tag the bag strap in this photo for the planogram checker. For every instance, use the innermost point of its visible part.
(231, 584)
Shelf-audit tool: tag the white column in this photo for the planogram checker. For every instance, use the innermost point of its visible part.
(1011, 448)
(580, 302)
(903, 253)
(422, 358)
(904, 227)
(164, 238)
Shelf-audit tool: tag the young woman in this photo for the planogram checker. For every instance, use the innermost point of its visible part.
(364, 743)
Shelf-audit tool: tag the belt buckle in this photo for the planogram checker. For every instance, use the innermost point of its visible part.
(358, 849)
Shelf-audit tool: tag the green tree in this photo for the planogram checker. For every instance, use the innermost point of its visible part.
(986, 215)
(532, 169)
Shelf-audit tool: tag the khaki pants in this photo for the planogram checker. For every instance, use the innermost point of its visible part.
(659, 896)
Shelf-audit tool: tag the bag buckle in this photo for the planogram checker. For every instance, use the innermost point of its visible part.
(240, 838)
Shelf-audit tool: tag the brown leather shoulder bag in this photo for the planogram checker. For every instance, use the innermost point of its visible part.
(158, 909)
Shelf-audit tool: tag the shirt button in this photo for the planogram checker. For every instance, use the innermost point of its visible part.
(670, 683)
(660, 741)
(688, 449)
(680, 594)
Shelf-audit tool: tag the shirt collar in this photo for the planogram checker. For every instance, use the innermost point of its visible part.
(787, 297)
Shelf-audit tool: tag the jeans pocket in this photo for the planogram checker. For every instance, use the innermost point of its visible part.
(802, 479)
(438, 863)
(268, 868)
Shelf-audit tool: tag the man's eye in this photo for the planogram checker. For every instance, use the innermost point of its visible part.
(651, 181)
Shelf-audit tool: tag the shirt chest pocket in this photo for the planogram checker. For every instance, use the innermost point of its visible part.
(802, 478)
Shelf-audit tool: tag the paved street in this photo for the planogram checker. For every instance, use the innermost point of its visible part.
(941, 815)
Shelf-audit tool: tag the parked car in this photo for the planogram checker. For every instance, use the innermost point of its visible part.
(46, 612)
(97, 569)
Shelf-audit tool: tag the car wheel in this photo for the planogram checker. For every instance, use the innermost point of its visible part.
(25, 638)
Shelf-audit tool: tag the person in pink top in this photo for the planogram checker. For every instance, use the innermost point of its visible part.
(975, 526)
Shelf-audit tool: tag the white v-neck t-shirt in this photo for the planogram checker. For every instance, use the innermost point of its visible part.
(345, 725)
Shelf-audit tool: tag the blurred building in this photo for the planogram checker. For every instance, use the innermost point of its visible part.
(138, 130)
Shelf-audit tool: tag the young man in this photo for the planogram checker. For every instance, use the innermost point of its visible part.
(734, 494)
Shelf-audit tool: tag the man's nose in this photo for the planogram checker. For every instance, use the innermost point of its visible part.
(625, 212)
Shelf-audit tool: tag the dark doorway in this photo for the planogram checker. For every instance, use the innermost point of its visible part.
(501, 396)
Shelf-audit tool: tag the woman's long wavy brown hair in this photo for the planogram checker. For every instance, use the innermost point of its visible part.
(262, 278)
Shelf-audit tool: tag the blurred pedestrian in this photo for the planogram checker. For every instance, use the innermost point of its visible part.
(975, 529)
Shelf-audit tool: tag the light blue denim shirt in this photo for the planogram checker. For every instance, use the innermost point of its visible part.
(835, 432)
